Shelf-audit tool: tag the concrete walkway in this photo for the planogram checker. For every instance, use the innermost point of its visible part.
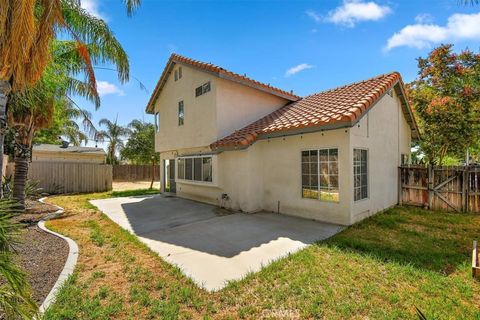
(209, 247)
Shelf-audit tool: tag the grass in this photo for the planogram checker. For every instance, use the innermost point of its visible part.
(382, 268)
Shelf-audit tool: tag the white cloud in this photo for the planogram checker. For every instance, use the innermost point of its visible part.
(354, 11)
(315, 16)
(297, 69)
(105, 87)
(424, 18)
(92, 7)
(424, 35)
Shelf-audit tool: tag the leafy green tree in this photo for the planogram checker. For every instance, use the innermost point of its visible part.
(446, 100)
(140, 147)
(114, 134)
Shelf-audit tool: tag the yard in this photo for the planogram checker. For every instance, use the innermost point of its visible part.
(384, 267)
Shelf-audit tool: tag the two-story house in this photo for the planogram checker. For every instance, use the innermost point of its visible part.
(237, 143)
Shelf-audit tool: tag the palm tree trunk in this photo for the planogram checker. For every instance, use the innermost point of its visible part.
(4, 92)
(22, 156)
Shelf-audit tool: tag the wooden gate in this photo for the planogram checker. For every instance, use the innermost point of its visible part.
(441, 188)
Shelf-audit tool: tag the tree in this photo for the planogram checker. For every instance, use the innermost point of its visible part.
(27, 28)
(140, 147)
(446, 100)
(114, 134)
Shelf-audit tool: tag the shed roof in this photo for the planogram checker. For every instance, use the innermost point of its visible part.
(70, 149)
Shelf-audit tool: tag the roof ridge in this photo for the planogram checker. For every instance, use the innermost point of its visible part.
(244, 76)
(383, 75)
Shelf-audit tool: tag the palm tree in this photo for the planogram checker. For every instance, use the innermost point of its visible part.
(34, 108)
(27, 28)
(114, 134)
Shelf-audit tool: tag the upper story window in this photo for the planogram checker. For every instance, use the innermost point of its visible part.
(157, 122)
(204, 88)
(360, 174)
(178, 73)
(181, 113)
(320, 174)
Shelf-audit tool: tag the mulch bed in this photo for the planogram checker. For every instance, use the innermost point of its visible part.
(41, 254)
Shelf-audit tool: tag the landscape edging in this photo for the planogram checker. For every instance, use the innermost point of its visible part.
(70, 263)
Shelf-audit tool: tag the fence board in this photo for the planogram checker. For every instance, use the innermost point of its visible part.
(69, 177)
(134, 172)
(441, 188)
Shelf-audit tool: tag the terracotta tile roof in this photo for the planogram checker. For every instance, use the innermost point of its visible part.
(218, 71)
(332, 108)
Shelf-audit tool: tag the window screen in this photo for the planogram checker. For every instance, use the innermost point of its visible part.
(188, 168)
(195, 168)
(360, 174)
(181, 168)
(320, 174)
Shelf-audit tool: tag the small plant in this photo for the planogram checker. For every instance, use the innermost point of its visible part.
(32, 189)
(15, 298)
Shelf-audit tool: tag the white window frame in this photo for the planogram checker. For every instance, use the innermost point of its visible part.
(318, 173)
(368, 174)
(193, 169)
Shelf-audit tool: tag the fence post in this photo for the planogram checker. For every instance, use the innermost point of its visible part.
(400, 184)
(430, 186)
(464, 188)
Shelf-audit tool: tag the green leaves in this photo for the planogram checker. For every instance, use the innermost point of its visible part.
(446, 100)
(140, 147)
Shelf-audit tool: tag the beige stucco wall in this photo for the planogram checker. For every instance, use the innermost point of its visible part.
(199, 127)
(229, 106)
(386, 135)
(239, 105)
(67, 157)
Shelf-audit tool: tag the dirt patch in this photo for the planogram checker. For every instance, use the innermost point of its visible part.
(132, 185)
(34, 212)
(42, 256)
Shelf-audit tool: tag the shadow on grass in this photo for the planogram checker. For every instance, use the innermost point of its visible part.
(435, 241)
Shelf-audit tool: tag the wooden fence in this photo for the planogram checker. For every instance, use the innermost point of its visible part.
(134, 172)
(70, 177)
(441, 188)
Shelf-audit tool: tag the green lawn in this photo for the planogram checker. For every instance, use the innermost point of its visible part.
(382, 268)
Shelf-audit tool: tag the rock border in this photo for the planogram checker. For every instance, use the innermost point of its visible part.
(69, 263)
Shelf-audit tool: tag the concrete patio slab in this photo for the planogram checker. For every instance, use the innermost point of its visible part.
(209, 247)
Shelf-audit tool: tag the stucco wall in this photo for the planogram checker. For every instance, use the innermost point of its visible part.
(386, 135)
(239, 105)
(199, 128)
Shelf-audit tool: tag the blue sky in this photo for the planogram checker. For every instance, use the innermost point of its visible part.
(305, 46)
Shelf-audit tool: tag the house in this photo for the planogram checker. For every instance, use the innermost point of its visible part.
(231, 141)
(66, 153)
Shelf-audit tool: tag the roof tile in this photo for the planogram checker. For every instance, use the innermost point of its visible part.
(342, 104)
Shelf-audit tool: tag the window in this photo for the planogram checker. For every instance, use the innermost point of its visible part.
(179, 72)
(176, 75)
(204, 88)
(320, 174)
(360, 174)
(157, 121)
(181, 113)
(195, 168)
(181, 168)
